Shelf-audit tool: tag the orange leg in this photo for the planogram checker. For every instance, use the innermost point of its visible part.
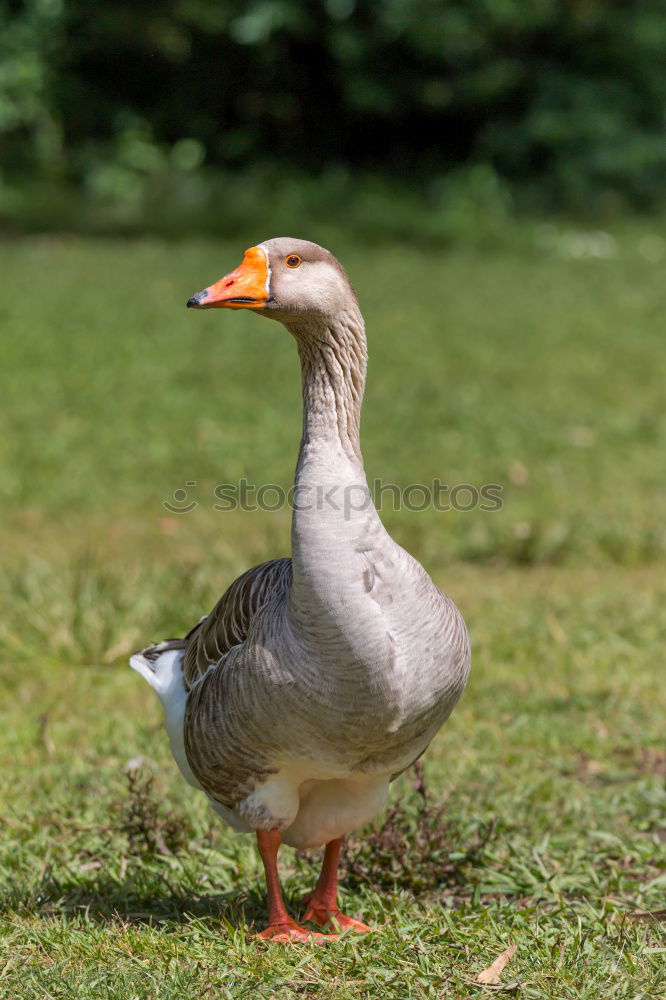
(322, 903)
(280, 925)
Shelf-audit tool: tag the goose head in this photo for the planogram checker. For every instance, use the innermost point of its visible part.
(293, 281)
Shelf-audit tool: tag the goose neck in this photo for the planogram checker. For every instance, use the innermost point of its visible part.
(333, 360)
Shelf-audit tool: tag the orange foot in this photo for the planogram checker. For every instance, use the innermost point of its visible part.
(323, 915)
(289, 930)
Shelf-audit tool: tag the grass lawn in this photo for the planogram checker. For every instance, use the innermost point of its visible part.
(533, 367)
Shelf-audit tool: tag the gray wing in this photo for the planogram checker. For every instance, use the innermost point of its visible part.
(229, 622)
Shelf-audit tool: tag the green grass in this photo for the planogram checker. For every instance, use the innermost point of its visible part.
(535, 370)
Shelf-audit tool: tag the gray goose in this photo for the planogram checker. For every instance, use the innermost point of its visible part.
(317, 679)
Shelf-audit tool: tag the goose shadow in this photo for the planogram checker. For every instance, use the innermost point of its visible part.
(105, 900)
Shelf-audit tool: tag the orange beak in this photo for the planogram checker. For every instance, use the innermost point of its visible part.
(244, 288)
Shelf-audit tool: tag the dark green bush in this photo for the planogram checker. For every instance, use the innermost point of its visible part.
(562, 100)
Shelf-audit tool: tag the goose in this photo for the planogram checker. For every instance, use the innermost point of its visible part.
(316, 679)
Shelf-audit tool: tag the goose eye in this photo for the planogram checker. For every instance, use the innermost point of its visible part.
(293, 260)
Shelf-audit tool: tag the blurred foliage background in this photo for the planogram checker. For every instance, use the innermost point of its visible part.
(436, 117)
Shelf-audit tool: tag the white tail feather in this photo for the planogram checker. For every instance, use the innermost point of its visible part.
(142, 666)
(164, 673)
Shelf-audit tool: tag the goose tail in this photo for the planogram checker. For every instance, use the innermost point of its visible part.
(156, 663)
(162, 666)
